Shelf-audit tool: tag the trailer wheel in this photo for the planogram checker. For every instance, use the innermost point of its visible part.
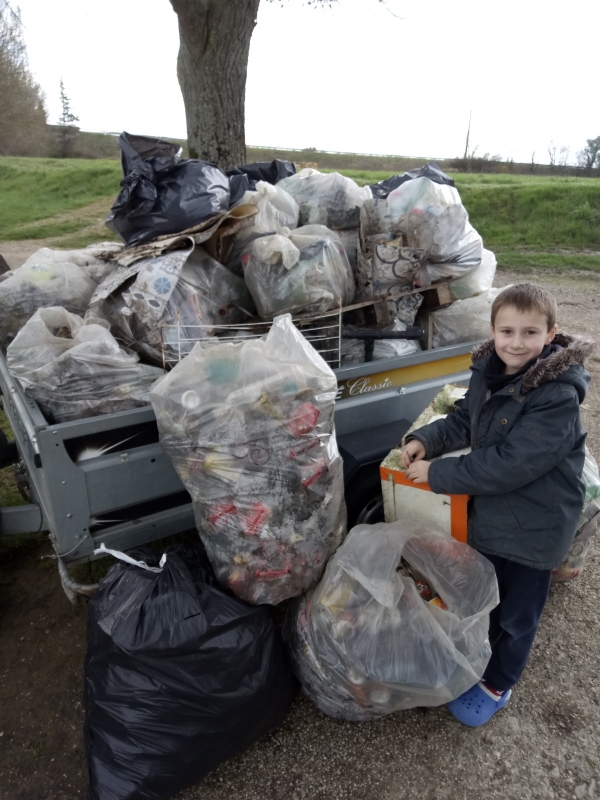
(364, 500)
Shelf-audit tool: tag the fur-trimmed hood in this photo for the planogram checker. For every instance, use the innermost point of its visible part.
(568, 355)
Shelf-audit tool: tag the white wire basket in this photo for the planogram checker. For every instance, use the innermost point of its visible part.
(324, 332)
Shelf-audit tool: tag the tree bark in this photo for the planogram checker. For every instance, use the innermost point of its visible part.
(214, 42)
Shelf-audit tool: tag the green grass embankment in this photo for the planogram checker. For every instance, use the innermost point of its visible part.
(536, 223)
(39, 195)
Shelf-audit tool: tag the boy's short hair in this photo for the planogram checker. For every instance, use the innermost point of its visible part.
(527, 297)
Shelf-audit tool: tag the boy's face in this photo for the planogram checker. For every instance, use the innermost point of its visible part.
(520, 336)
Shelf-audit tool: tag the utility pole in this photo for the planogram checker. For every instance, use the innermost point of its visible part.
(466, 155)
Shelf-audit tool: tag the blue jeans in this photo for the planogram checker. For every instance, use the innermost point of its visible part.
(514, 622)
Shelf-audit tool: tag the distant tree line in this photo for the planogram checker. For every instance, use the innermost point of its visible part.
(23, 115)
(587, 164)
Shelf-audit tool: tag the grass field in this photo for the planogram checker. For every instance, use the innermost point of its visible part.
(38, 194)
(530, 222)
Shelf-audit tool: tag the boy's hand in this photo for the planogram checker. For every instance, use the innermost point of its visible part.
(413, 451)
(418, 472)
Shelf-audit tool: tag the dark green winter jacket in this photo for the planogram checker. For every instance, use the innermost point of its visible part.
(524, 471)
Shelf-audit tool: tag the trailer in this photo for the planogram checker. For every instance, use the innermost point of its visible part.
(105, 480)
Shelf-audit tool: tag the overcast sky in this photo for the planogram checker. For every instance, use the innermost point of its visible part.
(362, 76)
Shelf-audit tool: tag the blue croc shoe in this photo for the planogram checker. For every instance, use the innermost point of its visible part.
(476, 706)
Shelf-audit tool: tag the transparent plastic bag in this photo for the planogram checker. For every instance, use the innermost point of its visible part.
(34, 286)
(75, 369)
(353, 350)
(328, 199)
(174, 300)
(249, 429)
(477, 281)
(87, 259)
(366, 643)
(574, 561)
(587, 526)
(303, 270)
(276, 210)
(465, 320)
(591, 477)
(432, 218)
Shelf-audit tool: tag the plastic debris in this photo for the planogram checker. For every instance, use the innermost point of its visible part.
(465, 320)
(249, 429)
(433, 219)
(479, 280)
(305, 270)
(173, 300)
(276, 210)
(33, 286)
(591, 477)
(395, 269)
(328, 199)
(75, 369)
(163, 193)
(367, 642)
(92, 260)
(244, 178)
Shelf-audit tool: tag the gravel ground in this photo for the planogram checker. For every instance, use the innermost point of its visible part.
(545, 744)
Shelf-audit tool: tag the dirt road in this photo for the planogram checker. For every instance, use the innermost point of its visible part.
(544, 745)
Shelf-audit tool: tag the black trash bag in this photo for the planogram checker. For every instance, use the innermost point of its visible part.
(431, 171)
(245, 178)
(239, 184)
(162, 193)
(179, 676)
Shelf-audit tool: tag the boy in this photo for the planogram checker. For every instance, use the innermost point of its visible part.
(521, 418)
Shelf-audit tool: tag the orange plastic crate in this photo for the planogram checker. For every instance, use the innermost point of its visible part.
(447, 512)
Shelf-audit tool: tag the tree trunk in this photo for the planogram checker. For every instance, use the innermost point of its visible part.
(214, 41)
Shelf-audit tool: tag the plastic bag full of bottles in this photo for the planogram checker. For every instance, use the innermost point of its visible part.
(249, 428)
